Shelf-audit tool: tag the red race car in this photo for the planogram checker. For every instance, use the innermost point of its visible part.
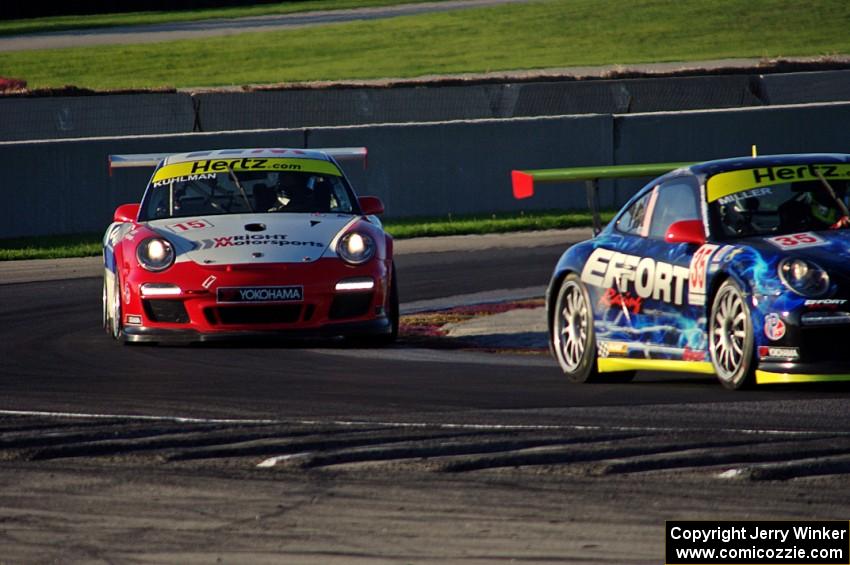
(248, 242)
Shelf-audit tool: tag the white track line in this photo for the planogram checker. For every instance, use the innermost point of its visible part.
(140, 417)
(438, 425)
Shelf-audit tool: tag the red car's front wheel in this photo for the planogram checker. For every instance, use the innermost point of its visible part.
(112, 309)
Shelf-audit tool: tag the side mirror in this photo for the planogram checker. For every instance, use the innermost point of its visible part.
(686, 231)
(371, 205)
(126, 213)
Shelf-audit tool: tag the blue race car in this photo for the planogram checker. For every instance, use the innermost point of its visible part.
(737, 267)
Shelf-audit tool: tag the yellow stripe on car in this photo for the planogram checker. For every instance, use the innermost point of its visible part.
(614, 364)
(206, 166)
(765, 378)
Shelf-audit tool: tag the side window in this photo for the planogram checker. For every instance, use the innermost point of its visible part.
(634, 219)
(677, 200)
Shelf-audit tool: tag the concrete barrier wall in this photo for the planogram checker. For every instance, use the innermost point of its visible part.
(418, 170)
(464, 167)
(134, 114)
(340, 107)
(793, 88)
(89, 116)
(62, 186)
(305, 108)
(714, 134)
(636, 95)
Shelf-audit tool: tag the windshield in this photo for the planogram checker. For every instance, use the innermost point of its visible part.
(244, 191)
(777, 200)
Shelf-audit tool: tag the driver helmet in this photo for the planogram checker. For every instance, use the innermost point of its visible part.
(291, 187)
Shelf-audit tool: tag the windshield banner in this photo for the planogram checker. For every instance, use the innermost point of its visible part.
(732, 182)
(206, 166)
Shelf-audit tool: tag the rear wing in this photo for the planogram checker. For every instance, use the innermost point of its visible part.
(136, 160)
(524, 181)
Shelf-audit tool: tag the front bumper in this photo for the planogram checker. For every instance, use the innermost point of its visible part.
(141, 334)
(814, 340)
(197, 312)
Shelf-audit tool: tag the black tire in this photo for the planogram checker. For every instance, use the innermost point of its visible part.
(105, 317)
(730, 337)
(393, 312)
(115, 315)
(573, 338)
(393, 316)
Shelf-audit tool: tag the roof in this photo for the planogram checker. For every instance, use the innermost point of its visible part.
(706, 168)
(737, 163)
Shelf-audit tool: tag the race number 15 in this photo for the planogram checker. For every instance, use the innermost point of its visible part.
(190, 225)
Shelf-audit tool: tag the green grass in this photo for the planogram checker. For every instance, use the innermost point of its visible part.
(62, 23)
(86, 245)
(549, 33)
(51, 247)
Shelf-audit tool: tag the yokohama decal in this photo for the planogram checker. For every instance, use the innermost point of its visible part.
(261, 294)
(699, 274)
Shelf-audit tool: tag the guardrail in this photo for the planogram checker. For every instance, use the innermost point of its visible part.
(63, 186)
(27, 118)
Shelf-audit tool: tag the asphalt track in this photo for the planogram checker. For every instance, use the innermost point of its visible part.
(317, 453)
(57, 359)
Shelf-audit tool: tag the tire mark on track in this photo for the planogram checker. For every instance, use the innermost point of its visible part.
(275, 447)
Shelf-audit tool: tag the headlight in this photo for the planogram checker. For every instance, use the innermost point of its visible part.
(356, 248)
(803, 277)
(155, 254)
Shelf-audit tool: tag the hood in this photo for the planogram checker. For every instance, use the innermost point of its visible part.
(252, 238)
(828, 248)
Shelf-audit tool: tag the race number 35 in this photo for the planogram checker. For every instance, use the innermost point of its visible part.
(699, 273)
(796, 240)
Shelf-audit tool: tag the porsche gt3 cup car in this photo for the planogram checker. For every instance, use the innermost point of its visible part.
(249, 241)
(737, 267)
